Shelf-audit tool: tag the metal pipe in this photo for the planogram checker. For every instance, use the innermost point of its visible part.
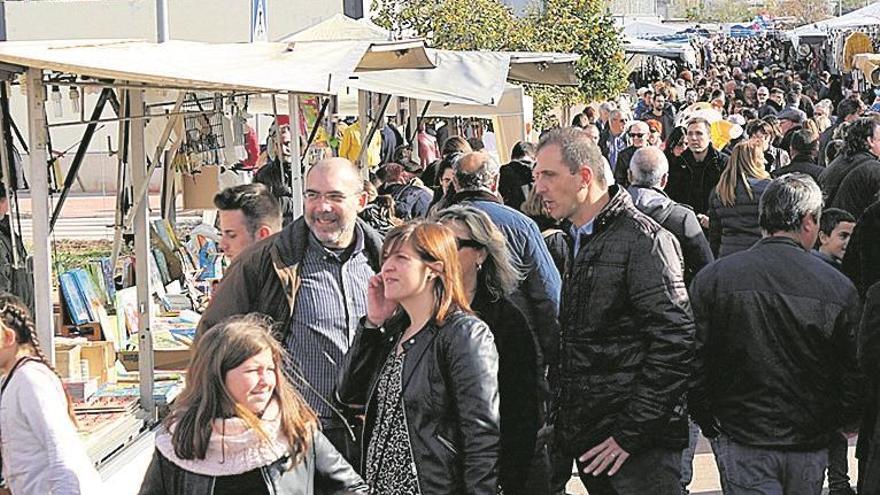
(124, 119)
(80, 155)
(7, 171)
(374, 126)
(317, 125)
(162, 26)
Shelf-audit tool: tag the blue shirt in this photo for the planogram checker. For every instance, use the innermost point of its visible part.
(578, 232)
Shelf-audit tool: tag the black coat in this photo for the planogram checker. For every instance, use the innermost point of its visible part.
(735, 228)
(520, 384)
(868, 449)
(450, 392)
(627, 336)
(859, 188)
(323, 471)
(691, 182)
(861, 263)
(411, 200)
(621, 168)
(775, 363)
(836, 171)
(681, 221)
(802, 166)
(514, 181)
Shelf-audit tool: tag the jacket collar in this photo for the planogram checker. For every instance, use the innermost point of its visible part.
(293, 241)
(480, 195)
(618, 202)
(778, 240)
(712, 157)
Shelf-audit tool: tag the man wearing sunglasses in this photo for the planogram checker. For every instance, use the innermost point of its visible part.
(638, 138)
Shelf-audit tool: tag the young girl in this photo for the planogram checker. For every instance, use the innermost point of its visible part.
(42, 453)
(239, 427)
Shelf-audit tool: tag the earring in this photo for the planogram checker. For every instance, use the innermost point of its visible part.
(479, 266)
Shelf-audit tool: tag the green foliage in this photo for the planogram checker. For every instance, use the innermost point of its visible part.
(579, 26)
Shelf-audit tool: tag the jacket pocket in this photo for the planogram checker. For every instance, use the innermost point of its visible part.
(446, 443)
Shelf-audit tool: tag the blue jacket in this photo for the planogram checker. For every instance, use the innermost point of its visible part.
(538, 294)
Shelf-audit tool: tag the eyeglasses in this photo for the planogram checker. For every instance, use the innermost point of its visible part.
(636, 135)
(332, 197)
(468, 243)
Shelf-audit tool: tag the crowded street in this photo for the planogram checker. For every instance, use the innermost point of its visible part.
(439, 247)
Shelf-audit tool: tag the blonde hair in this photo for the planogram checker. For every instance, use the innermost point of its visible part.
(746, 161)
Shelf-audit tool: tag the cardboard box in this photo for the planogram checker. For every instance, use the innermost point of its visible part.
(199, 189)
(163, 360)
(67, 358)
(102, 361)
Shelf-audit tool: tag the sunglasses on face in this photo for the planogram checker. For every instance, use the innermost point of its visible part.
(468, 243)
(636, 135)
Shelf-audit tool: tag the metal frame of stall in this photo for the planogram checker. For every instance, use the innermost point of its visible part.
(137, 217)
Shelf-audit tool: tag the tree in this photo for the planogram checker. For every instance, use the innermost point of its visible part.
(579, 26)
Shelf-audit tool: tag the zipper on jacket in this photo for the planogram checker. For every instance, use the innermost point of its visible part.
(268, 480)
(446, 443)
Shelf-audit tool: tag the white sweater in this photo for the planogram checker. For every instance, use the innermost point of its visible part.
(42, 453)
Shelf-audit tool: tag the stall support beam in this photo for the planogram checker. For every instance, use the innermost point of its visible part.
(39, 182)
(414, 128)
(296, 177)
(364, 101)
(141, 229)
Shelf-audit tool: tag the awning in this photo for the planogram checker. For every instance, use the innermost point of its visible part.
(380, 51)
(865, 16)
(556, 69)
(303, 67)
(683, 52)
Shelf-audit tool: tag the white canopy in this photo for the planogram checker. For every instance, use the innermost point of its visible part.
(865, 16)
(305, 67)
(673, 51)
(647, 29)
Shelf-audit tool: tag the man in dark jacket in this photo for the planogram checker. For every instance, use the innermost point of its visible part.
(516, 177)
(662, 112)
(694, 175)
(775, 371)
(476, 184)
(804, 148)
(311, 278)
(411, 198)
(860, 186)
(847, 111)
(648, 173)
(627, 328)
(638, 137)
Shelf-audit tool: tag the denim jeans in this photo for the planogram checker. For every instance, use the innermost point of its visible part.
(656, 471)
(687, 457)
(749, 470)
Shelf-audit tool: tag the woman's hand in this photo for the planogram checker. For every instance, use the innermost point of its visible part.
(379, 309)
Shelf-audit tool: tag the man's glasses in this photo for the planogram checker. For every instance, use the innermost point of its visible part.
(636, 135)
(332, 197)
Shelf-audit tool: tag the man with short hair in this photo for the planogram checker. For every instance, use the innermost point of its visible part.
(776, 371)
(648, 174)
(627, 329)
(694, 174)
(847, 111)
(247, 213)
(852, 180)
(804, 148)
(615, 140)
(835, 231)
(311, 278)
(476, 184)
(411, 198)
(638, 137)
(515, 179)
(790, 120)
(663, 113)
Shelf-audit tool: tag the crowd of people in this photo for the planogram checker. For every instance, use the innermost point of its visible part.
(453, 325)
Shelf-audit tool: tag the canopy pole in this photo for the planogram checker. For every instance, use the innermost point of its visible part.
(363, 117)
(141, 227)
(121, 160)
(413, 128)
(296, 162)
(374, 126)
(39, 183)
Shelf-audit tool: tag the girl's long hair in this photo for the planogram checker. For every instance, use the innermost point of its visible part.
(15, 315)
(746, 161)
(222, 348)
(433, 242)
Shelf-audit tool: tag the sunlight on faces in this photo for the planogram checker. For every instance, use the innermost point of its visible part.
(697, 137)
(469, 257)
(234, 235)
(332, 215)
(404, 273)
(835, 244)
(251, 383)
(561, 190)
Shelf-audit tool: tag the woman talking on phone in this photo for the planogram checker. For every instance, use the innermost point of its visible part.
(426, 369)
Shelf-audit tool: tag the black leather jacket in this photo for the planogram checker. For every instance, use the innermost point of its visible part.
(323, 471)
(450, 391)
(627, 336)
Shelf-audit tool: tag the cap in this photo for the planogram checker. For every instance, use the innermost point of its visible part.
(792, 115)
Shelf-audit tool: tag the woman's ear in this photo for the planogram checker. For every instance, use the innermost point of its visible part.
(435, 269)
(7, 336)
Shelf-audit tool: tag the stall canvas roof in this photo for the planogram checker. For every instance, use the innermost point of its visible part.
(303, 67)
(864, 16)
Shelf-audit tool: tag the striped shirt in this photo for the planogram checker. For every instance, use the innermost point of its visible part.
(331, 299)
